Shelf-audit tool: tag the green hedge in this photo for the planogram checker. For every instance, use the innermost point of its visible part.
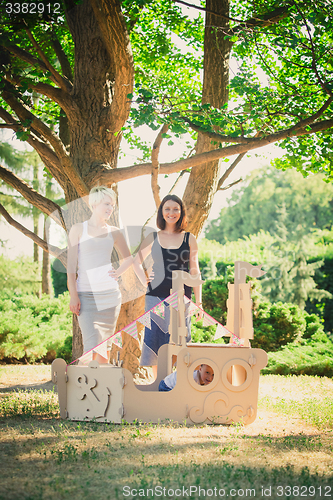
(314, 358)
(59, 278)
(33, 329)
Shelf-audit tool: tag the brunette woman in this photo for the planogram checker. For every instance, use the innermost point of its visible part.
(171, 248)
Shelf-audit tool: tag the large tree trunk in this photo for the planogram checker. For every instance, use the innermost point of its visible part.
(94, 138)
(202, 183)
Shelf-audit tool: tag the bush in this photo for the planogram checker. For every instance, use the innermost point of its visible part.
(59, 278)
(64, 351)
(204, 334)
(214, 298)
(314, 358)
(276, 325)
(33, 329)
(19, 276)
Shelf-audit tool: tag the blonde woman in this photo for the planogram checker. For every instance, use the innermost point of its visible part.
(92, 282)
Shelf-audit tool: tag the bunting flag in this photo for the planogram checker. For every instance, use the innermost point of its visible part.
(193, 309)
(236, 340)
(221, 331)
(116, 339)
(85, 358)
(102, 350)
(145, 320)
(131, 329)
(208, 320)
(160, 315)
(172, 300)
(159, 310)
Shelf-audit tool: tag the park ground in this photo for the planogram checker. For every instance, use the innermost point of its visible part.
(286, 453)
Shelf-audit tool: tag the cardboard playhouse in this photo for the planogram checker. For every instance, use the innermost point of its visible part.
(108, 393)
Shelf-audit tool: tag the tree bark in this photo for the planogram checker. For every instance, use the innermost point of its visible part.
(202, 183)
(102, 74)
(46, 266)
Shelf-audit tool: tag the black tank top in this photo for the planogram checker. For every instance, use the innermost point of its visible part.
(167, 260)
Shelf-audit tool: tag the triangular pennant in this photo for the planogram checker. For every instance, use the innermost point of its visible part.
(193, 309)
(117, 340)
(221, 331)
(236, 340)
(145, 320)
(102, 349)
(208, 320)
(172, 300)
(159, 310)
(131, 329)
(86, 358)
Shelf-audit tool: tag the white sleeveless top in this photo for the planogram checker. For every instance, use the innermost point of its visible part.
(94, 262)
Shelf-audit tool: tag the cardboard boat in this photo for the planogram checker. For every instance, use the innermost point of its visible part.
(107, 393)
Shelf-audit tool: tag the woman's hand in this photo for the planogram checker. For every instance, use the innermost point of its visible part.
(150, 275)
(75, 305)
(114, 274)
(199, 313)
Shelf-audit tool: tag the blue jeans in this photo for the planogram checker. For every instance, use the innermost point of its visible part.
(158, 335)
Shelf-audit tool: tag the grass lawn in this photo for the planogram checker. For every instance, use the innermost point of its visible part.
(286, 453)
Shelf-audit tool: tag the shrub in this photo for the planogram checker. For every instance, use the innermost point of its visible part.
(33, 329)
(64, 351)
(276, 325)
(19, 276)
(204, 334)
(314, 358)
(59, 278)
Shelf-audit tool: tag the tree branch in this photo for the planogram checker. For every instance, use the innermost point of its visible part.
(62, 57)
(264, 20)
(113, 28)
(47, 155)
(47, 206)
(215, 136)
(24, 114)
(121, 174)
(53, 250)
(63, 82)
(230, 185)
(155, 164)
(245, 140)
(229, 171)
(56, 94)
(208, 11)
(26, 56)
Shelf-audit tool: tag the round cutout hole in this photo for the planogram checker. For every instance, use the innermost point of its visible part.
(237, 375)
(203, 375)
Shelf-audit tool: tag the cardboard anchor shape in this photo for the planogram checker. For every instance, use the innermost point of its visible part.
(108, 392)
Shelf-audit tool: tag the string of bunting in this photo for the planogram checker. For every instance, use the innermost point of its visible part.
(145, 320)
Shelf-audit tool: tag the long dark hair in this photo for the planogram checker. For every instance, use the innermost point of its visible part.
(181, 222)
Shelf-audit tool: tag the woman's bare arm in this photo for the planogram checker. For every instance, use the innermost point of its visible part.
(72, 257)
(194, 268)
(142, 254)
